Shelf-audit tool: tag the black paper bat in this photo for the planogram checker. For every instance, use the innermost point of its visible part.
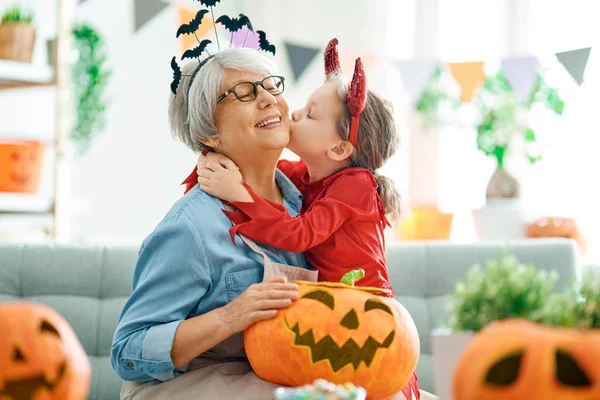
(264, 43)
(197, 51)
(192, 27)
(176, 75)
(209, 3)
(234, 24)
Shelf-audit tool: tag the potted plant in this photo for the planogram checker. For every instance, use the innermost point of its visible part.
(555, 356)
(504, 288)
(503, 119)
(17, 35)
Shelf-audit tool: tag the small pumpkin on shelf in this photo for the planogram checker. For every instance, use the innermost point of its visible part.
(338, 332)
(21, 166)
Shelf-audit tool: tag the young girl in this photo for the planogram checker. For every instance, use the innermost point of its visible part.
(345, 202)
(342, 135)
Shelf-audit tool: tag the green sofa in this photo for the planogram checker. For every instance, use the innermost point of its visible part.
(88, 285)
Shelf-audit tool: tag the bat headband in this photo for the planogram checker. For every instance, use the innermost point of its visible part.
(231, 24)
(357, 93)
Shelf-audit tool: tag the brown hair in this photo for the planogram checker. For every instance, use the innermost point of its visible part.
(377, 142)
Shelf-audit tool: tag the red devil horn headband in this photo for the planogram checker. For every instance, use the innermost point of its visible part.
(357, 93)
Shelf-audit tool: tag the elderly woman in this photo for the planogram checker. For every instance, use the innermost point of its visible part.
(194, 293)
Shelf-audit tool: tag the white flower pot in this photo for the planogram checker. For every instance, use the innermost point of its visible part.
(501, 219)
(447, 348)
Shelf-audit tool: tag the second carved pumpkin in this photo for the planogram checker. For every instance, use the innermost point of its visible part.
(521, 360)
(40, 355)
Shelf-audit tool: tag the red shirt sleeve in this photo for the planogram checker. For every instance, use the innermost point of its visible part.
(350, 198)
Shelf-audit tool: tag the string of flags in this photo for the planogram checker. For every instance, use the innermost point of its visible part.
(521, 72)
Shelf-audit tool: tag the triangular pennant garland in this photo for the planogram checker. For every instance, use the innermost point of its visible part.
(415, 75)
(185, 15)
(469, 76)
(521, 73)
(575, 62)
(145, 10)
(300, 57)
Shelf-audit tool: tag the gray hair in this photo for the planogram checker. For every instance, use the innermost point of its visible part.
(197, 123)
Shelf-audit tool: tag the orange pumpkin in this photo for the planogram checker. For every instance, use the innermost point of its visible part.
(521, 360)
(425, 223)
(40, 355)
(339, 333)
(553, 227)
(20, 166)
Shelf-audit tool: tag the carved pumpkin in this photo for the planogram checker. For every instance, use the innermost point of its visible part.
(40, 355)
(521, 360)
(339, 333)
(553, 227)
(20, 166)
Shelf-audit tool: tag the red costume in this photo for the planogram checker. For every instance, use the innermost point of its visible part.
(340, 227)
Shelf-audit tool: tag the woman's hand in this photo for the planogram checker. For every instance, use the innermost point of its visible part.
(223, 180)
(259, 302)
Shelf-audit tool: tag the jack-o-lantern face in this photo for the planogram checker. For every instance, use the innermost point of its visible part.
(339, 333)
(521, 360)
(40, 356)
(20, 166)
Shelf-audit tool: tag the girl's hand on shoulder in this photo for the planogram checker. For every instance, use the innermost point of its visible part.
(223, 180)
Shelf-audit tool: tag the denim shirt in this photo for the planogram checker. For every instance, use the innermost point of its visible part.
(186, 267)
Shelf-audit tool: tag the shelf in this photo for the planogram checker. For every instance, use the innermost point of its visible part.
(14, 75)
(24, 203)
(25, 228)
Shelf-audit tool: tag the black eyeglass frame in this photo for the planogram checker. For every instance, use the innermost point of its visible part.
(255, 90)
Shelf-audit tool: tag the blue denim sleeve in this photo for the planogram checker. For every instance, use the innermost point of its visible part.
(172, 274)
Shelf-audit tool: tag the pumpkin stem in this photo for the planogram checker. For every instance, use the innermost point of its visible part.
(351, 277)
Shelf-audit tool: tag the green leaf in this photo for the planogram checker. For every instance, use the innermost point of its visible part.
(499, 154)
(554, 102)
(530, 135)
(17, 14)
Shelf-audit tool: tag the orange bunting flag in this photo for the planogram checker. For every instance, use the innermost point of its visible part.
(469, 76)
(186, 42)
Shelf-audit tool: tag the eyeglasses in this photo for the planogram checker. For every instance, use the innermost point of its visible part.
(248, 91)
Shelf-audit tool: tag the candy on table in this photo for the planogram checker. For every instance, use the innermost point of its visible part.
(322, 390)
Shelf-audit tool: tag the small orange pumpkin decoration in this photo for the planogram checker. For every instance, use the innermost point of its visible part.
(559, 227)
(40, 355)
(521, 360)
(340, 333)
(425, 223)
(20, 166)
(553, 227)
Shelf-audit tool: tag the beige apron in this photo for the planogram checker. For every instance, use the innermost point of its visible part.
(222, 372)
